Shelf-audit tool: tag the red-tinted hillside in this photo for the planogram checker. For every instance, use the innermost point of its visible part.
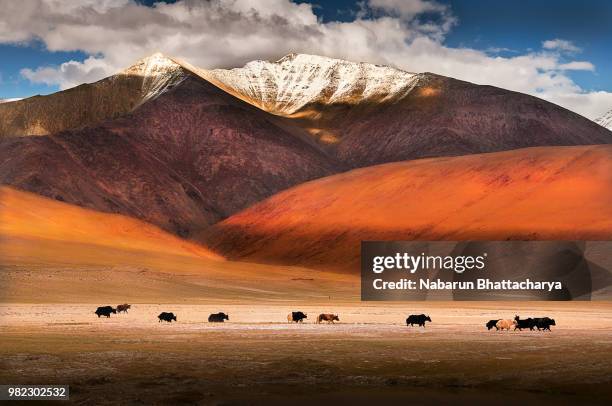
(535, 193)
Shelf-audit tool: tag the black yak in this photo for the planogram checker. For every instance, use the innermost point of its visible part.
(524, 323)
(492, 323)
(105, 311)
(166, 316)
(418, 319)
(218, 317)
(297, 317)
(544, 323)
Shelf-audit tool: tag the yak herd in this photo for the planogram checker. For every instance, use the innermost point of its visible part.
(540, 323)
(531, 323)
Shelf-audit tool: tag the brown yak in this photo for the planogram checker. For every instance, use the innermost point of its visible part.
(123, 308)
(328, 317)
(505, 324)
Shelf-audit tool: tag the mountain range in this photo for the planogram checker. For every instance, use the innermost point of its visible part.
(296, 161)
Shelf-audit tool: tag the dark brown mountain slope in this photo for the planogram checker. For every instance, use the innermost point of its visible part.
(182, 161)
(448, 117)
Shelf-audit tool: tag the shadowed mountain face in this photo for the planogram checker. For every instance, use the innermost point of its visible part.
(82, 105)
(447, 117)
(91, 103)
(548, 193)
(182, 161)
(366, 114)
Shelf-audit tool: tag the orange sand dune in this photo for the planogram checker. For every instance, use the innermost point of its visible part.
(532, 193)
(28, 216)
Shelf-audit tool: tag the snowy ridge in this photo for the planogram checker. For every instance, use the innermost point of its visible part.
(159, 73)
(10, 100)
(605, 120)
(295, 81)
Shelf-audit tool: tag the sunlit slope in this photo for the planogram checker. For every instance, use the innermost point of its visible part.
(55, 252)
(533, 193)
(25, 215)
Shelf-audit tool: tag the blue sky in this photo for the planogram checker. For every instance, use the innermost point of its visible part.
(519, 26)
(523, 25)
(45, 48)
(16, 57)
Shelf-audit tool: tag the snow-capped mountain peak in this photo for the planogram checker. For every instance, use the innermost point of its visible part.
(295, 81)
(156, 63)
(158, 73)
(605, 120)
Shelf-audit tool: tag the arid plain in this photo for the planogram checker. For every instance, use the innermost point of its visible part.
(258, 358)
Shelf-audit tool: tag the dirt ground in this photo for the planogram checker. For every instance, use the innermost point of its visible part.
(49, 335)
(369, 357)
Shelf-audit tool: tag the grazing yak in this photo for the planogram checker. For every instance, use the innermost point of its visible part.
(328, 317)
(544, 323)
(165, 316)
(123, 308)
(524, 323)
(297, 317)
(492, 323)
(418, 319)
(218, 317)
(105, 311)
(505, 324)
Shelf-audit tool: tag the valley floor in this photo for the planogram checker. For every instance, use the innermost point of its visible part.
(369, 357)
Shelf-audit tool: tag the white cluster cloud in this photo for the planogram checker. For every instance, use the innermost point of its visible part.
(561, 45)
(577, 65)
(70, 73)
(408, 34)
